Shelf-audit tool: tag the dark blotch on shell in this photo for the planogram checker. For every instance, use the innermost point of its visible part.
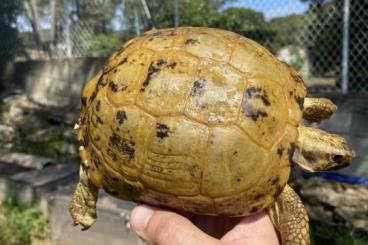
(121, 117)
(93, 96)
(151, 71)
(198, 87)
(248, 109)
(275, 181)
(156, 34)
(265, 100)
(191, 41)
(254, 114)
(258, 196)
(300, 102)
(125, 60)
(172, 65)
(297, 78)
(161, 62)
(252, 90)
(113, 87)
(162, 131)
(99, 120)
(84, 101)
(98, 105)
(123, 145)
(280, 150)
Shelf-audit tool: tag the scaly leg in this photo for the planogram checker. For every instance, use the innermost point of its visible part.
(290, 218)
(83, 204)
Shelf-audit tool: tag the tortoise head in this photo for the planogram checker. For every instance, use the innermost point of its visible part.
(317, 150)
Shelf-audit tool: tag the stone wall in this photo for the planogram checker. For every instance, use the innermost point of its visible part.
(54, 82)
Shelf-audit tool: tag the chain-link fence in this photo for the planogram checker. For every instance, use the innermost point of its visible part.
(325, 40)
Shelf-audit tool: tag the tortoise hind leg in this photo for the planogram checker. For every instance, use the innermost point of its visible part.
(290, 218)
(83, 204)
(318, 109)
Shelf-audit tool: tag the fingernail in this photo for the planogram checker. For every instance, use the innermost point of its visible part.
(140, 217)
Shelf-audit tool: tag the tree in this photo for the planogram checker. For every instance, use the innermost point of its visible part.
(246, 22)
(288, 30)
(9, 41)
(192, 12)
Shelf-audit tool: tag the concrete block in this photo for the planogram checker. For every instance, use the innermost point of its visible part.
(6, 171)
(25, 160)
(36, 184)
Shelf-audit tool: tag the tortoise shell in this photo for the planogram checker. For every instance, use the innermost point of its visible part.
(195, 119)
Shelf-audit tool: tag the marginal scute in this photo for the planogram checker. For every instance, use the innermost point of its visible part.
(202, 44)
(281, 150)
(256, 62)
(295, 91)
(126, 81)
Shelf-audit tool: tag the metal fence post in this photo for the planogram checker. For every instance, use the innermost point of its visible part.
(345, 48)
(176, 13)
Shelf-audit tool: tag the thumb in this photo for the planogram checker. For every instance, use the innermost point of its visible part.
(161, 227)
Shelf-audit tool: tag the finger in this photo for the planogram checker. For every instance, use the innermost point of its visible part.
(161, 227)
(256, 229)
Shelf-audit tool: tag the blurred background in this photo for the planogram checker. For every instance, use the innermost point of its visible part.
(50, 48)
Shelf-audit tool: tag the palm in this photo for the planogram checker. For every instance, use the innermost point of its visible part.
(237, 230)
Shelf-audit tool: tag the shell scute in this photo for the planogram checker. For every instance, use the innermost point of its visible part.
(225, 172)
(263, 115)
(167, 84)
(215, 96)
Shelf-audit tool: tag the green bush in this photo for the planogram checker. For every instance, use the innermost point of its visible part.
(46, 147)
(103, 45)
(324, 234)
(22, 226)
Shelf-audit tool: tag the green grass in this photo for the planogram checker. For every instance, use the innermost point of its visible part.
(22, 225)
(322, 234)
(48, 147)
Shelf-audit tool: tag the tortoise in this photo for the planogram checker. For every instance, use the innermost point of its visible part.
(205, 121)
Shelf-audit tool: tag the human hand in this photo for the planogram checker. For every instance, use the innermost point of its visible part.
(162, 227)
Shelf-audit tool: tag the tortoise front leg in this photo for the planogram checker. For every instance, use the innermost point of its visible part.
(290, 218)
(83, 204)
(318, 109)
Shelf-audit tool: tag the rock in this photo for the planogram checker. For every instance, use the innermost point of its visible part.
(25, 160)
(50, 133)
(7, 134)
(36, 185)
(65, 148)
(19, 112)
(335, 202)
(6, 171)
